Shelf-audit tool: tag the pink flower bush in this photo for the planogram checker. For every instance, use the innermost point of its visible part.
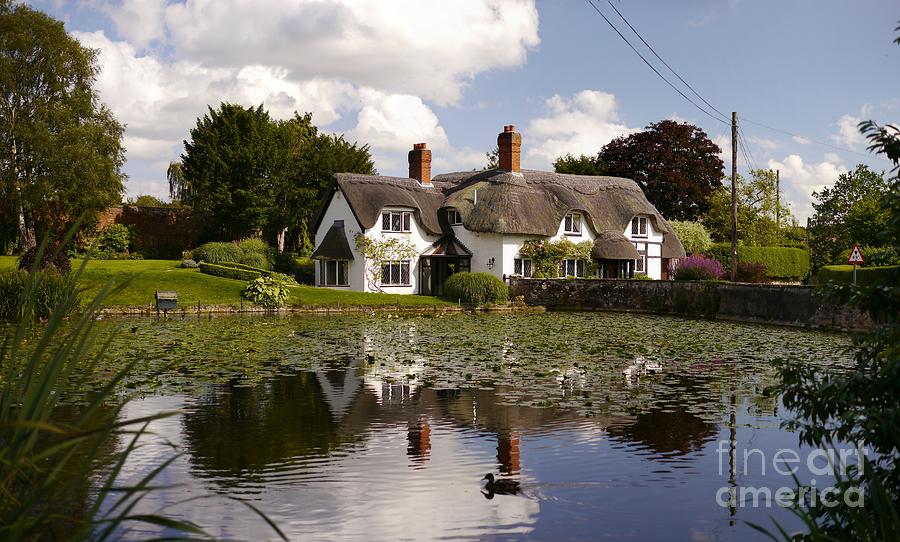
(696, 267)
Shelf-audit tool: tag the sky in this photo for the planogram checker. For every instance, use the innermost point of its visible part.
(396, 72)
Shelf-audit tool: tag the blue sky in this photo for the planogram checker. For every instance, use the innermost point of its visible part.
(390, 74)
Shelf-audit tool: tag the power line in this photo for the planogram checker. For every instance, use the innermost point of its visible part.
(666, 64)
(661, 76)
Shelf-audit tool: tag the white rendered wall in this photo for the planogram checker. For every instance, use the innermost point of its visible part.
(420, 239)
(339, 209)
(483, 246)
(652, 243)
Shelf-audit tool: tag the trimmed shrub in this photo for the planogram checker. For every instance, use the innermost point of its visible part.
(115, 239)
(228, 272)
(50, 259)
(51, 288)
(784, 263)
(215, 253)
(236, 265)
(865, 276)
(476, 288)
(270, 292)
(751, 272)
(301, 268)
(698, 268)
(255, 259)
(640, 276)
(188, 264)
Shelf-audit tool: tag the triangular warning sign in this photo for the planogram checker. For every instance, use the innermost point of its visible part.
(856, 256)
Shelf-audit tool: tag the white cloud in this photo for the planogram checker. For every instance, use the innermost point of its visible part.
(801, 140)
(763, 144)
(848, 133)
(800, 179)
(577, 125)
(139, 21)
(429, 48)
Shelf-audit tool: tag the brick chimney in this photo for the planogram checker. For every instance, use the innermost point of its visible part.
(509, 143)
(420, 163)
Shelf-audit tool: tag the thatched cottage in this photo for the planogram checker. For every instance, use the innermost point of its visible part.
(407, 235)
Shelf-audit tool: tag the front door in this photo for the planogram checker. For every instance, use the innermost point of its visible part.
(439, 269)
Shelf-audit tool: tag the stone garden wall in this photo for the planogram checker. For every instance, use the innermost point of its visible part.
(159, 232)
(775, 304)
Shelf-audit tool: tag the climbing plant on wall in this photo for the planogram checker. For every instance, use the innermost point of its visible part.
(546, 256)
(377, 252)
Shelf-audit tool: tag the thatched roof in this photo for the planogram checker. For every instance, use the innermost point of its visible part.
(448, 246)
(613, 245)
(334, 245)
(672, 247)
(530, 203)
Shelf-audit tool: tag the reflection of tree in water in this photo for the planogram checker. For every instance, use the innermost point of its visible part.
(236, 429)
(670, 428)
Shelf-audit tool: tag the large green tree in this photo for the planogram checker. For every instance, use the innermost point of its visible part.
(757, 224)
(61, 149)
(848, 212)
(676, 164)
(579, 165)
(257, 174)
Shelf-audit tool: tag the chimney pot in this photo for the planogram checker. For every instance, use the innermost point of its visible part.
(420, 163)
(509, 144)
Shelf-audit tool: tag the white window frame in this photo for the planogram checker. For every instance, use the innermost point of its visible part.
(396, 221)
(387, 271)
(454, 218)
(523, 267)
(639, 227)
(576, 266)
(341, 270)
(572, 224)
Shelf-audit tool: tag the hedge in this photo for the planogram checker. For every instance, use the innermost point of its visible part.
(865, 276)
(229, 272)
(245, 267)
(780, 262)
(477, 288)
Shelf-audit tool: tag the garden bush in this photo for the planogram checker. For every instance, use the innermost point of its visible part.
(785, 263)
(751, 272)
(640, 276)
(301, 268)
(50, 289)
(693, 236)
(188, 264)
(698, 268)
(255, 259)
(228, 272)
(270, 292)
(236, 265)
(115, 238)
(865, 276)
(50, 259)
(216, 252)
(874, 256)
(476, 288)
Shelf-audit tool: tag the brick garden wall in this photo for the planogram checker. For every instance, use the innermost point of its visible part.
(776, 304)
(159, 232)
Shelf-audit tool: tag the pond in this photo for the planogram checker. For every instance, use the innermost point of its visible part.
(380, 427)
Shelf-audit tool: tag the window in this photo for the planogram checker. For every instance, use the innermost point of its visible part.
(571, 268)
(523, 267)
(395, 273)
(333, 272)
(572, 223)
(454, 217)
(639, 226)
(397, 221)
(640, 265)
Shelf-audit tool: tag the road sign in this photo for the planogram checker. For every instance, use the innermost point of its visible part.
(856, 257)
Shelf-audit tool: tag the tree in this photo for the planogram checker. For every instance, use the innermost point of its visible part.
(756, 212)
(61, 150)
(581, 165)
(146, 200)
(178, 188)
(693, 236)
(676, 165)
(847, 213)
(231, 166)
(493, 158)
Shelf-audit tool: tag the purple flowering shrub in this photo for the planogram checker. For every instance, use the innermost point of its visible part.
(698, 267)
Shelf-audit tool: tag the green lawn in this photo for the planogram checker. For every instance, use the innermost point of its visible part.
(147, 276)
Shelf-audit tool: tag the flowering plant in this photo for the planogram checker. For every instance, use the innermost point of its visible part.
(698, 267)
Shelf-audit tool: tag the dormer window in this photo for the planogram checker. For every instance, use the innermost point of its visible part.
(396, 221)
(572, 224)
(453, 217)
(639, 226)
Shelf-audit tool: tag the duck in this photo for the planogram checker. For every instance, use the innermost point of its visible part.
(503, 486)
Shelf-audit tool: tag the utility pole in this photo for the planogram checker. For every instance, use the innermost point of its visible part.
(733, 195)
(778, 198)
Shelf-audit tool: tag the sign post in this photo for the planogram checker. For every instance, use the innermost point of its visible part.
(856, 258)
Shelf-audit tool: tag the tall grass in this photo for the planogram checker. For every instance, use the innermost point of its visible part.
(49, 289)
(43, 461)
